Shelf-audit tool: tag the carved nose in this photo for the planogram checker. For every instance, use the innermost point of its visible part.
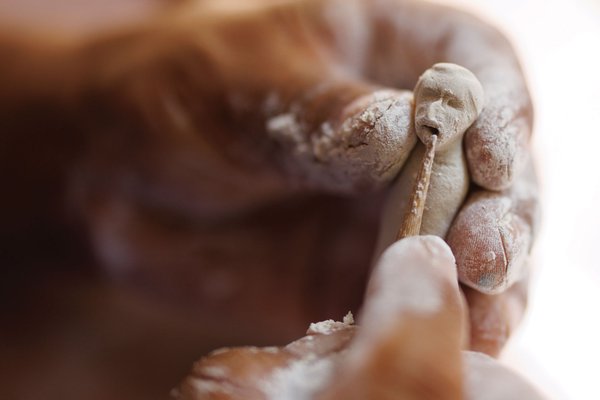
(434, 110)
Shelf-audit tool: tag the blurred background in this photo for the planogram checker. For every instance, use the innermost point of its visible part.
(559, 44)
(557, 344)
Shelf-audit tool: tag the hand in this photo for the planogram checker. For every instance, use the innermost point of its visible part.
(239, 150)
(173, 136)
(397, 350)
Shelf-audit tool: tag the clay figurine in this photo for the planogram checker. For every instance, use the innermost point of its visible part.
(447, 100)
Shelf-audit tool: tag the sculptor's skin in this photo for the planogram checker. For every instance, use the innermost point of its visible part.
(410, 316)
(447, 100)
(204, 175)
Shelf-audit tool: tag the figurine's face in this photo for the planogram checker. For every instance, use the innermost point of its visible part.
(448, 99)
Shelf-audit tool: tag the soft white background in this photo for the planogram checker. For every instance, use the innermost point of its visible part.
(559, 43)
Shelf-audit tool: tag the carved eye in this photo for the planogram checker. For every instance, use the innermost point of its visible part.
(455, 103)
(428, 93)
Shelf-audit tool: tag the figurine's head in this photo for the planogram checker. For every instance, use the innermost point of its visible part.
(448, 99)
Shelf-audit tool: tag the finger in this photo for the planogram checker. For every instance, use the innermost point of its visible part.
(415, 35)
(411, 328)
(412, 297)
(486, 378)
(358, 147)
(231, 107)
(299, 369)
(493, 234)
(231, 373)
(328, 128)
(493, 318)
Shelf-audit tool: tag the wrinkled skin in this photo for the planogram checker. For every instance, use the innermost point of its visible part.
(153, 216)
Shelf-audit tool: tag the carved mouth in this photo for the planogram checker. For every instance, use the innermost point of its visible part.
(426, 131)
(430, 129)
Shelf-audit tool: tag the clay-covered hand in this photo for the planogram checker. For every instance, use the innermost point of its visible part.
(395, 351)
(234, 153)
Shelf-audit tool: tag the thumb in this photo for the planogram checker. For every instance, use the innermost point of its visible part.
(349, 138)
(412, 328)
(290, 96)
(236, 107)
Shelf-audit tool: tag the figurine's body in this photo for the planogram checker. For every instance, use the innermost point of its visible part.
(448, 98)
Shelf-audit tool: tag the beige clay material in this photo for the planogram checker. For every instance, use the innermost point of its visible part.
(447, 100)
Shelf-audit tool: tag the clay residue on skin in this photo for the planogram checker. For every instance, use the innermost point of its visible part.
(364, 149)
(286, 128)
(494, 160)
(496, 146)
(318, 355)
(420, 293)
(330, 326)
(489, 242)
(301, 379)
